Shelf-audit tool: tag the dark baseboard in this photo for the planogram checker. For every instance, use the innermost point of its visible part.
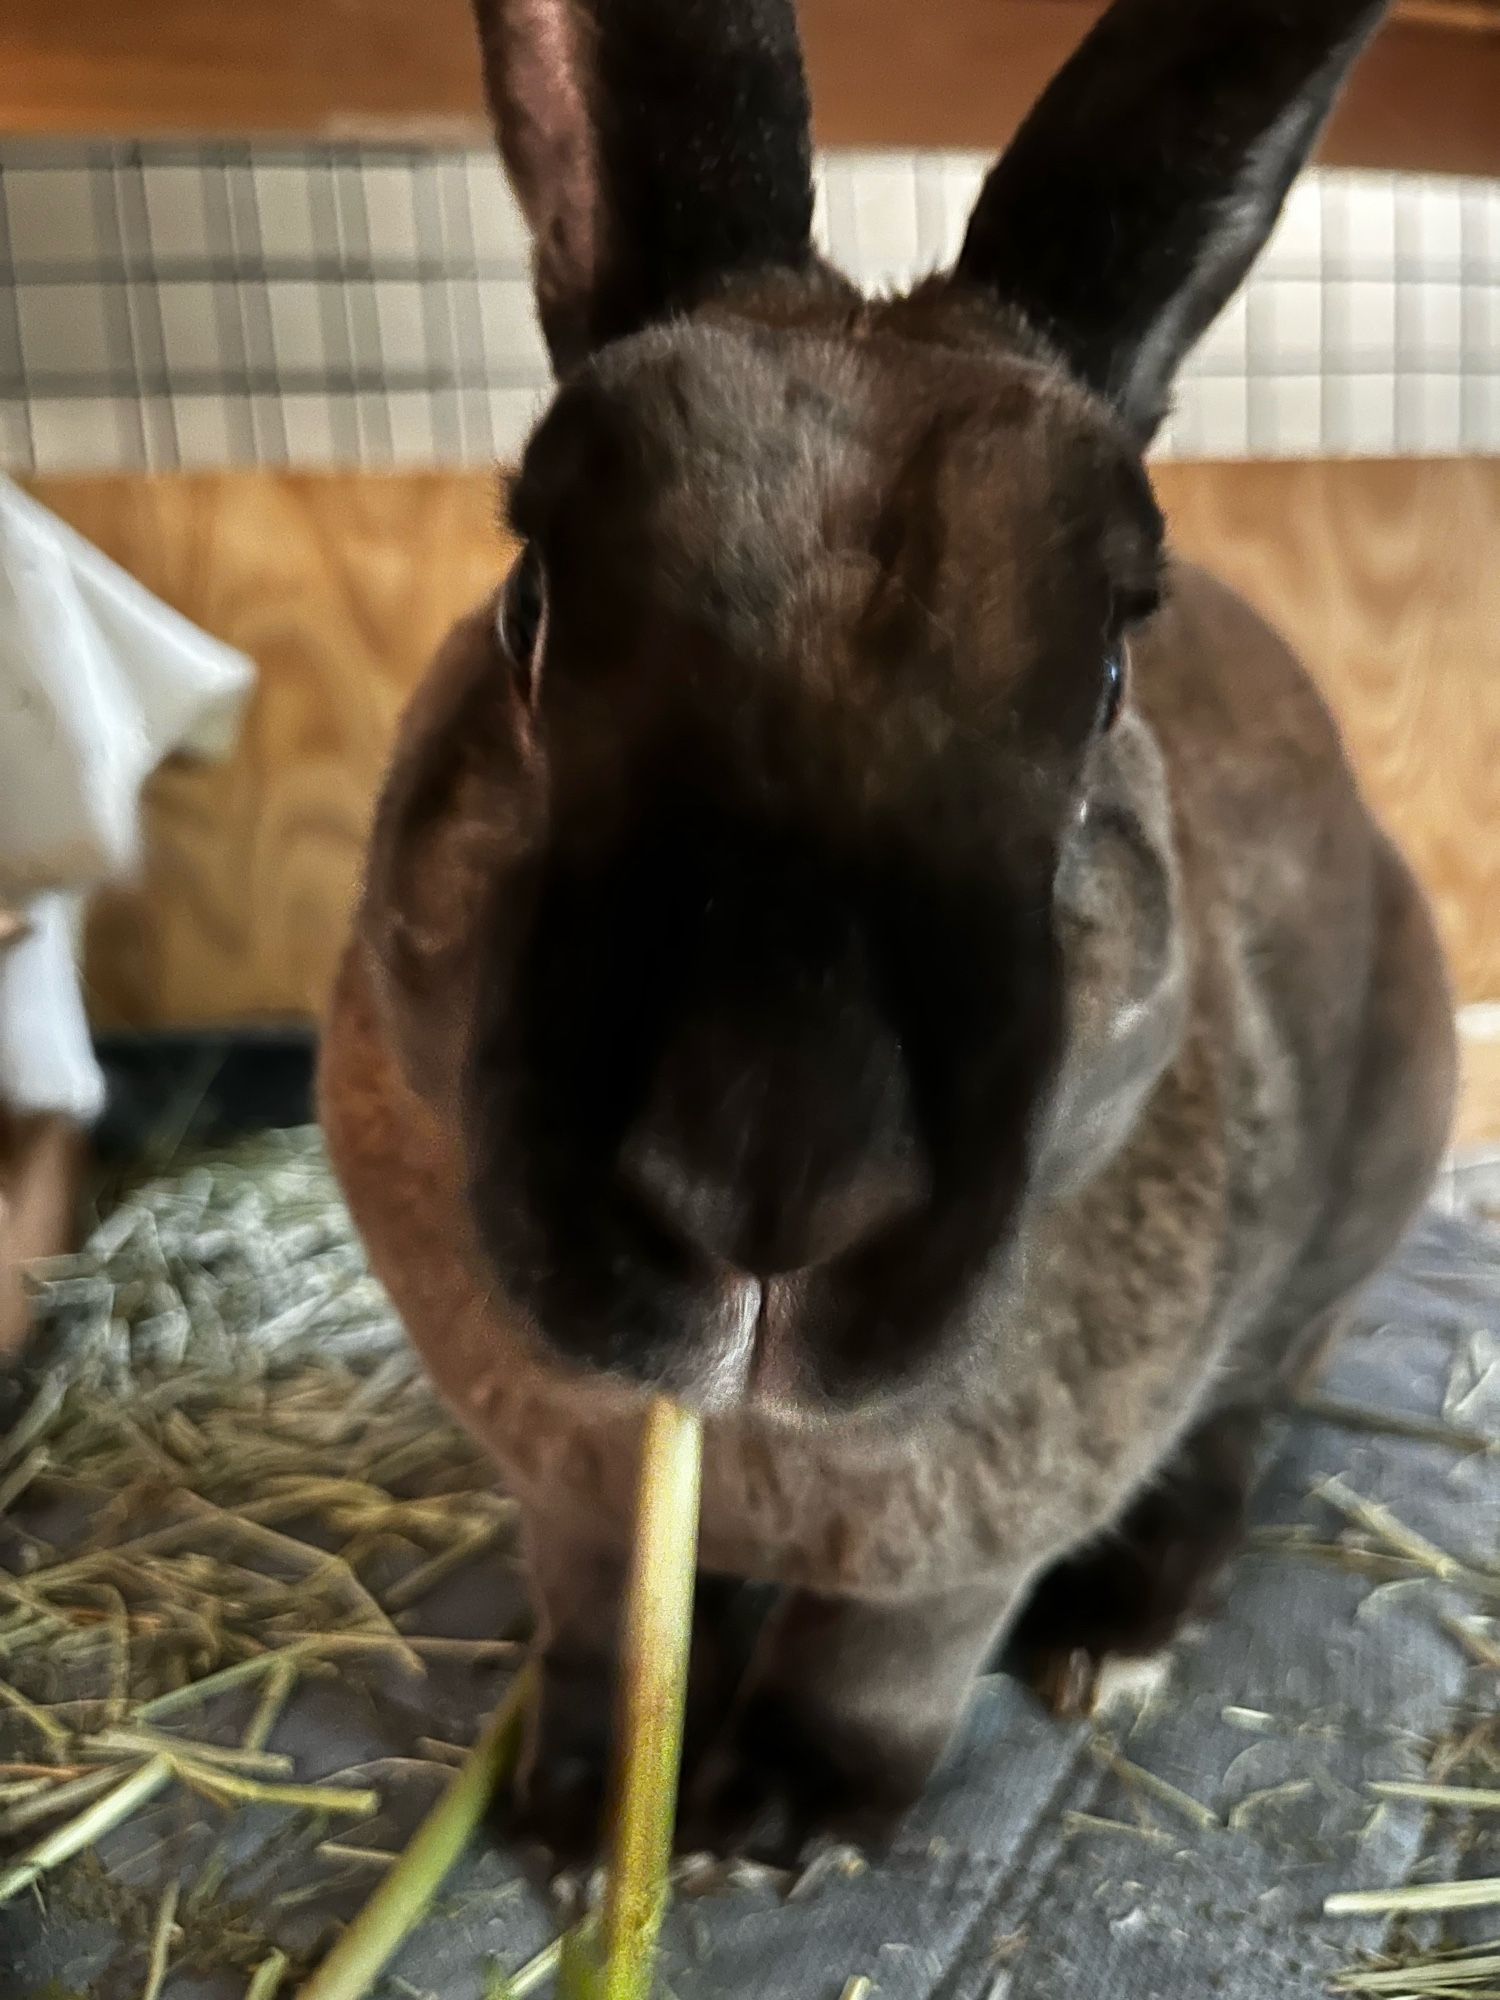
(202, 1088)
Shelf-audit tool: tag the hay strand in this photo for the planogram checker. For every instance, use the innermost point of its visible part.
(1462, 1798)
(360, 1857)
(1414, 1898)
(1446, 1973)
(532, 1977)
(1138, 1779)
(223, 1786)
(402, 1899)
(1378, 1520)
(161, 1943)
(45, 1725)
(55, 1798)
(92, 1824)
(265, 1983)
(196, 1692)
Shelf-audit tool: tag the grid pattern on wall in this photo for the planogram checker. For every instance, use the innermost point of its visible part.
(217, 305)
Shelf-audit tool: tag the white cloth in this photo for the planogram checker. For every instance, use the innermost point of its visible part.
(99, 681)
(46, 1058)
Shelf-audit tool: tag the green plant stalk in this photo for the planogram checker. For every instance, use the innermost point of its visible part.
(402, 1899)
(654, 1668)
(580, 1968)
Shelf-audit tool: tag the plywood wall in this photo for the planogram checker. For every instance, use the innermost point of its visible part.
(1385, 575)
(339, 588)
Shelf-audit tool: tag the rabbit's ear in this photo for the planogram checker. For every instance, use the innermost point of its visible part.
(657, 147)
(1136, 195)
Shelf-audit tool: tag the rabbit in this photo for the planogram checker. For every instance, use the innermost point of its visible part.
(857, 936)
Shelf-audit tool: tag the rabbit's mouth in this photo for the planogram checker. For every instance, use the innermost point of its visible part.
(750, 1357)
(870, 1338)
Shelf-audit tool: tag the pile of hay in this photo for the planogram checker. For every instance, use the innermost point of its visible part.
(223, 1476)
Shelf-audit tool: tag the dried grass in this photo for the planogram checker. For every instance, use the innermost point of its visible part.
(256, 1483)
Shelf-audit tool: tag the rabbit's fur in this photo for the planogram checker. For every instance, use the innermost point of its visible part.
(791, 985)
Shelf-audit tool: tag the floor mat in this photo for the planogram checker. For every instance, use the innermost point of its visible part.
(221, 1459)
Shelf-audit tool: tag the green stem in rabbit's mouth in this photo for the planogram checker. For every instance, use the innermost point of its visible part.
(653, 1689)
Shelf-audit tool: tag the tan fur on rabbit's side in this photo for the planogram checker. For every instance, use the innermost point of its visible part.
(796, 972)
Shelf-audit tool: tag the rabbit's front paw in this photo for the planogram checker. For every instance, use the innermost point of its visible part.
(1126, 1597)
(777, 1788)
(561, 1799)
(1123, 1602)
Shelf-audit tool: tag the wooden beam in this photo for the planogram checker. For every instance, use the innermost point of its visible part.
(962, 73)
(954, 73)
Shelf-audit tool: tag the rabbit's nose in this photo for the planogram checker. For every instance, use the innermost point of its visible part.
(769, 1222)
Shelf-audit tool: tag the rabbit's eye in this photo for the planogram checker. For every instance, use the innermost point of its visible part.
(1115, 667)
(523, 616)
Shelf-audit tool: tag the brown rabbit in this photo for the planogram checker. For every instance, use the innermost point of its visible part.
(856, 936)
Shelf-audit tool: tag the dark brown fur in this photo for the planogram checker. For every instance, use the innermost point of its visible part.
(793, 994)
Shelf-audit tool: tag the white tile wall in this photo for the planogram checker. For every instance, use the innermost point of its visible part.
(207, 305)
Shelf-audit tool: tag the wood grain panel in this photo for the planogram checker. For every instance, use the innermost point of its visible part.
(1478, 1117)
(339, 588)
(965, 72)
(884, 72)
(1383, 573)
